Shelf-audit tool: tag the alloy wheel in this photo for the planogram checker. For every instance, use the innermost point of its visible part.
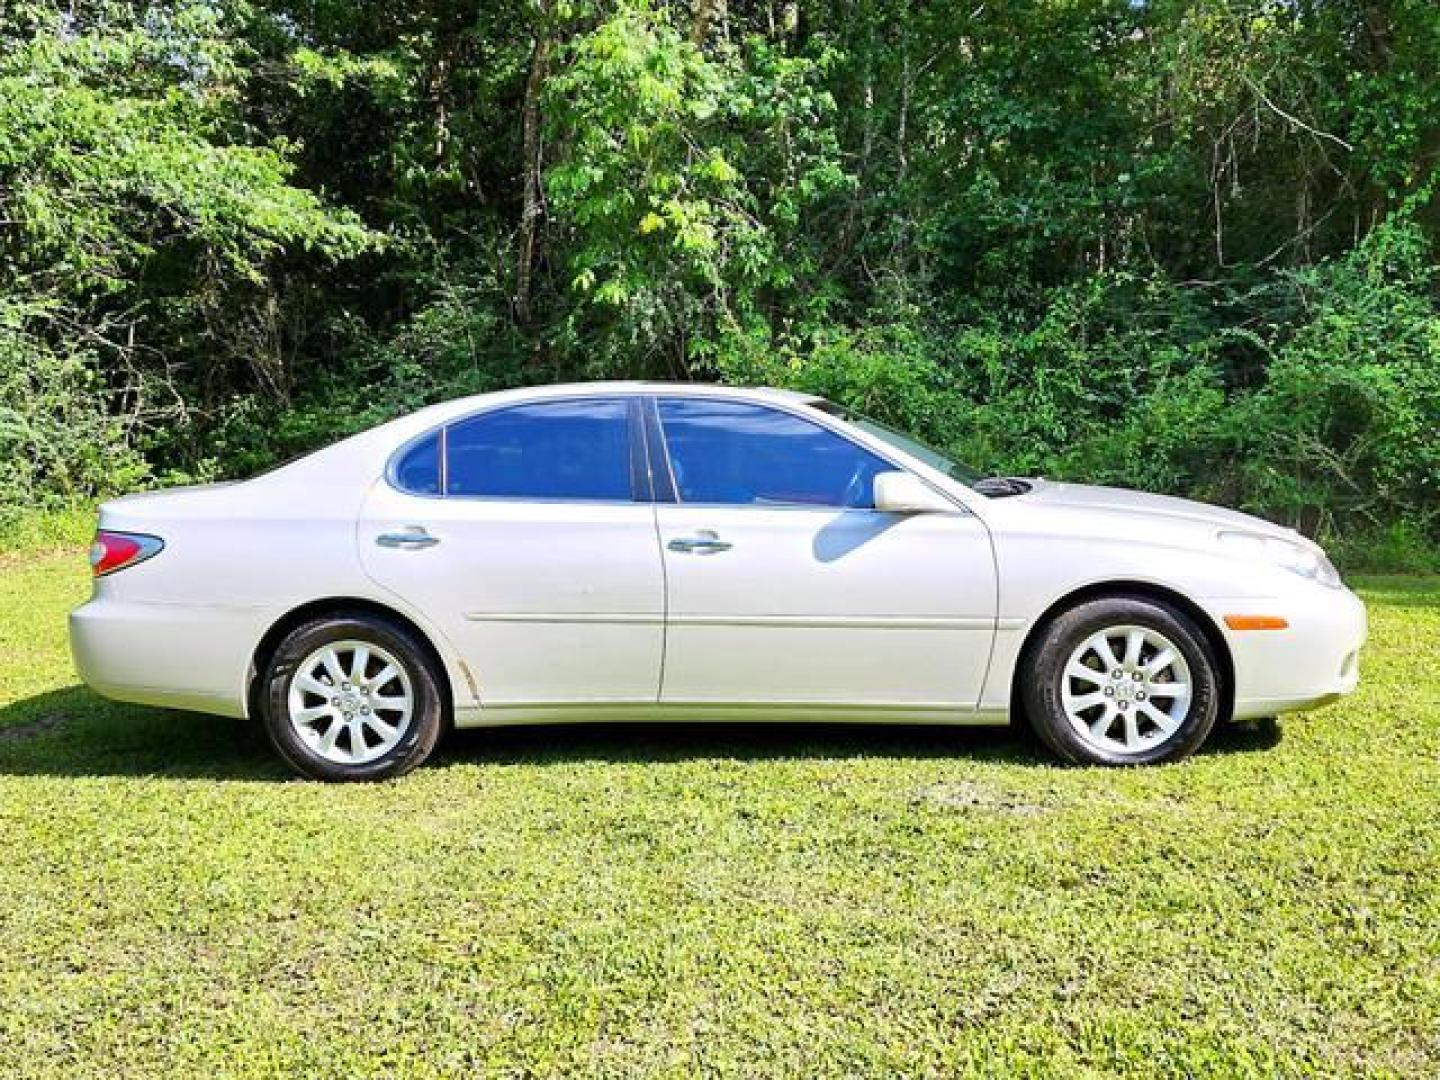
(351, 702)
(1126, 689)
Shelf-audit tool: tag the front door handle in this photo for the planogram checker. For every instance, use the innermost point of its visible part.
(704, 542)
(411, 539)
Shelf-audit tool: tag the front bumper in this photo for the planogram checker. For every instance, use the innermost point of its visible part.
(1314, 660)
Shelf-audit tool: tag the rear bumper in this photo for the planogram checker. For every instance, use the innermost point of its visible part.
(175, 656)
(1310, 663)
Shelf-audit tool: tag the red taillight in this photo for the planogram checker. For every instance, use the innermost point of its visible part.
(116, 550)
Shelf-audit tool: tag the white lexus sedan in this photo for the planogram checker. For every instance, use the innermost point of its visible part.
(651, 551)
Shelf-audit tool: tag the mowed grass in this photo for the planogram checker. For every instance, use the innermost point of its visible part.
(727, 901)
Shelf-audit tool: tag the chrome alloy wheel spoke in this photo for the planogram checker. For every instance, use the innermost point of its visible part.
(336, 707)
(1126, 689)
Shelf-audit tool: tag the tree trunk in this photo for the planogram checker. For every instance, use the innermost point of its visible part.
(705, 14)
(534, 199)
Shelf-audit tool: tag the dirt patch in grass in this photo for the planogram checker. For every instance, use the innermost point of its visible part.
(28, 729)
(968, 795)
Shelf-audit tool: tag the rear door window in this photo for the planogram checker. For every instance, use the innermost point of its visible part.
(565, 450)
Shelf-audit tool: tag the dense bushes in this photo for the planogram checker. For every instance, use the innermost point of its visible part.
(1187, 247)
(1335, 432)
(59, 440)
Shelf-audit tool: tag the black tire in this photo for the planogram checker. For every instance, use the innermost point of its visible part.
(427, 714)
(1043, 680)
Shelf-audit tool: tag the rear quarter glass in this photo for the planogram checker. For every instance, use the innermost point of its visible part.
(418, 468)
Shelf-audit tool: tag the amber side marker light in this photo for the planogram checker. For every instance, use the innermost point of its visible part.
(1256, 622)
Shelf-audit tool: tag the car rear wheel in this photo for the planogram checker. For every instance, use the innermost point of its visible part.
(1122, 681)
(352, 697)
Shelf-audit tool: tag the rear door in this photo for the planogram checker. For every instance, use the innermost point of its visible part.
(526, 532)
(786, 586)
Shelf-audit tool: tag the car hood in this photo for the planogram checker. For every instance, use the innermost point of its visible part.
(1120, 501)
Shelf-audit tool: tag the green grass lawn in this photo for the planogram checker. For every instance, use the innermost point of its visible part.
(730, 901)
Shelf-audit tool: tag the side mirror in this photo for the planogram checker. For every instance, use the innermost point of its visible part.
(905, 493)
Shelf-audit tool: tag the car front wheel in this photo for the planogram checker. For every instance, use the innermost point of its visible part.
(1122, 681)
(352, 697)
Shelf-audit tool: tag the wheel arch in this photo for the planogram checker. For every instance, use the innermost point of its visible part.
(336, 606)
(1121, 589)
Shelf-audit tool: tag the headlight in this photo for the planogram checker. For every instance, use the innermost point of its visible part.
(1304, 559)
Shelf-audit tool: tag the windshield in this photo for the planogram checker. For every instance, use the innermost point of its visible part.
(956, 470)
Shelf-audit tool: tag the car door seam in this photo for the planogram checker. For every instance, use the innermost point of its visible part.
(665, 599)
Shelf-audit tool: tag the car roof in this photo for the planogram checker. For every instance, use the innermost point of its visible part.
(542, 392)
(661, 386)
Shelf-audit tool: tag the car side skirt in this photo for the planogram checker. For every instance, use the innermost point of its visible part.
(719, 712)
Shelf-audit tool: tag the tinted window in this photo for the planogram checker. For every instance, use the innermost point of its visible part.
(554, 450)
(419, 470)
(735, 453)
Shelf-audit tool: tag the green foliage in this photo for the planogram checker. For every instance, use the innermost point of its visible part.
(114, 144)
(141, 236)
(59, 443)
(1184, 246)
(27, 530)
(684, 185)
(1344, 430)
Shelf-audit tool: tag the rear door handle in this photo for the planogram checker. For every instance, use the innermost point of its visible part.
(704, 542)
(411, 539)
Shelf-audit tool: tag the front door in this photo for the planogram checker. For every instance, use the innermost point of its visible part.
(524, 534)
(786, 586)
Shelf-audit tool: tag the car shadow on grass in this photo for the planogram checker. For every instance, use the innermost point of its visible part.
(74, 732)
(676, 741)
(756, 741)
